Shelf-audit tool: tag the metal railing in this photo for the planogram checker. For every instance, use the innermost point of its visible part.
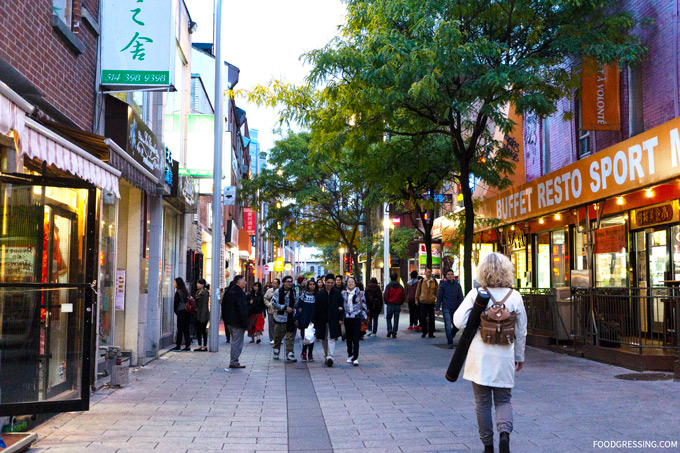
(540, 305)
(637, 317)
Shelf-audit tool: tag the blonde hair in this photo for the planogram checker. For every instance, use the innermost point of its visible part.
(495, 271)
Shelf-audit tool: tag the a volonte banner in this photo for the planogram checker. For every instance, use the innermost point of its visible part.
(600, 105)
(138, 43)
(641, 161)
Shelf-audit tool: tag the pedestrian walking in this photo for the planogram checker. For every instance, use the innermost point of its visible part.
(354, 308)
(255, 310)
(299, 286)
(283, 302)
(394, 298)
(183, 318)
(236, 305)
(339, 284)
(270, 310)
(413, 309)
(491, 365)
(426, 297)
(374, 303)
(449, 298)
(202, 314)
(224, 311)
(328, 318)
(304, 314)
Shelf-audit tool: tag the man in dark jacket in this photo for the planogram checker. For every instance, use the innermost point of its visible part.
(235, 316)
(449, 298)
(328, 317)
(394, 297)
(413, 309)
(374, 303)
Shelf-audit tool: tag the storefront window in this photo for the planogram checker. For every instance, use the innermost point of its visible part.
(580, 255)
(107, 269)
(478, 253)
(169, 270)
(610, 254)
(675, 242)
(543, 261)
(146, 237)
(560, 259)
(42, 241)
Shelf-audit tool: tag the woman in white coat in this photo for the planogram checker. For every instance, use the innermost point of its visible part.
(492, 367)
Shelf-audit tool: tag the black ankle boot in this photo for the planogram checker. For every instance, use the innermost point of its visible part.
(488, 448)
(504, 443)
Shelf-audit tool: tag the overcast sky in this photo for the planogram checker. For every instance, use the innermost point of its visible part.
(264, 39)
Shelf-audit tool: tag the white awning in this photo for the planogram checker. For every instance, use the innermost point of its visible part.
(38, 142)
(43, 144)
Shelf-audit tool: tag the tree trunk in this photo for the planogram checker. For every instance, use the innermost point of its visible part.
(355, 262)
(369, 255)
(469, 225)
(427, 237)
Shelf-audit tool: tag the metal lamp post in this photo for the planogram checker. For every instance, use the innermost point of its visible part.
(386, 246)
(341, 252)
(217, 208)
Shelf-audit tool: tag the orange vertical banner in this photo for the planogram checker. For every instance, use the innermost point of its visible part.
(600, 100)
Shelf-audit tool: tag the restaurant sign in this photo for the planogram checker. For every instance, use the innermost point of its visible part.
(654, 215)
(138, 44)
(646, 159)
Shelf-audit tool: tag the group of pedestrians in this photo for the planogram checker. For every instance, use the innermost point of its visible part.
(330, 303)
(189, 308)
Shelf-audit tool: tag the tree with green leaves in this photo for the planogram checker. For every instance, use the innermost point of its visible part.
(450, 69)
(312, 198)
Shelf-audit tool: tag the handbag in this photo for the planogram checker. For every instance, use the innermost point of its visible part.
(190, 305)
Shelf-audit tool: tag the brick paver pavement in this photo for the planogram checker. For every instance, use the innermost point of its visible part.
(396, 400)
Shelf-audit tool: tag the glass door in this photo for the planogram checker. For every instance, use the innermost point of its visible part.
(44, 267)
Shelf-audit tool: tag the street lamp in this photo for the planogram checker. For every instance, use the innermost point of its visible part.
(341, 253)
(386, 246)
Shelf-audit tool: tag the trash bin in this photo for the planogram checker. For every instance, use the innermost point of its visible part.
(121, 372)
(562, 314)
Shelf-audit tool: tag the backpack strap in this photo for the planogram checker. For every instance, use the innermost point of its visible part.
(502, 302)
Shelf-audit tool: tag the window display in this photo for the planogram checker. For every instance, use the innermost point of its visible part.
(610, 254)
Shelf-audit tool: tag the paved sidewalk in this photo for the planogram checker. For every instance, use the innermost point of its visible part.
(396, 400)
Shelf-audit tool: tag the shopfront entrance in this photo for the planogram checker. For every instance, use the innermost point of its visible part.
(46, 270)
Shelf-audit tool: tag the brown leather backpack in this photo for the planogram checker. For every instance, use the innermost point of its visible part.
(497, 323)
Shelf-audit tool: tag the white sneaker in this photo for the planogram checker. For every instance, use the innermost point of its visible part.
(271, 342)
(355, 363)
(291, 357)
(369, 334)
(276, 354)
(349, 360)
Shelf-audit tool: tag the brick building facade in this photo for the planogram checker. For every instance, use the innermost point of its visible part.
(60, 64)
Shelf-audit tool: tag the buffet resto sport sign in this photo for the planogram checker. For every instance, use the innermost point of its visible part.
(646, 159)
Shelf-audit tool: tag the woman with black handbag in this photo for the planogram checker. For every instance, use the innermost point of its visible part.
(183, 318)
(355, 313)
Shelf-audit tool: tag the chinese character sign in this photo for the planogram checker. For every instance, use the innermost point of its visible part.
(138, 43)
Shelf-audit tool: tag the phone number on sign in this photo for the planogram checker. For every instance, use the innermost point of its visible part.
(135, 78)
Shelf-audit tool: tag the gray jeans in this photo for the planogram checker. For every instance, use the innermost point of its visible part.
(501, 400)
(270, 325)
(237, 335)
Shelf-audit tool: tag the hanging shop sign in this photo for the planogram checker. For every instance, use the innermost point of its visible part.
(517, 240)
(600, 108)
(142, 143)
(138, 44)
(641, 161)
(249, 220)
(278, 265)
(654, 215)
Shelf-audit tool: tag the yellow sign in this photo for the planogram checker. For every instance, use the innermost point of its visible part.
(646, 159)
(278, 265)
